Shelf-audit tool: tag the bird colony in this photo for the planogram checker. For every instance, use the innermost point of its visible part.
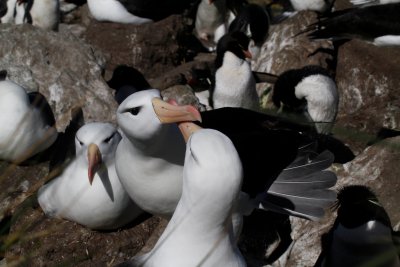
(209, 157)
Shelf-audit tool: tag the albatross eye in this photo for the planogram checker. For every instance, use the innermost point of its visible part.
(108, 139)
(79, 141)
(134, 111)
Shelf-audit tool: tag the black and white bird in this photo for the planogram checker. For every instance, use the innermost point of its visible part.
(200, 232)
(254, 21)
(320, 6)
(362, 234)
(125, 81)
(28, 124)
(150, 157)
(372, 2)
(7, 9)
(379, 25)
(134, 11)
(235, 85)
(310, 92)
(88, 190)
(212, 22)
(44, 14)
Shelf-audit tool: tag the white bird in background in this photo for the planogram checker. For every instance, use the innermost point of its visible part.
(7, 9)
(235, 85)
(313, 5)
(44, 14)
(200, 231)
(135, 11)
(211, 22)
(28, 124)
(88, 191)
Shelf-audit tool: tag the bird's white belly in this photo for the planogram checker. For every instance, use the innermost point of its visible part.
(233, 89)
(112, 10)
(25, 137)
(156, 192)
(9, 16)
(45, 14)
(387, 40)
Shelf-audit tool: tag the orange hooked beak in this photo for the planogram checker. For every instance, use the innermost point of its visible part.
(95, 161)
(247, 54)
(187, 129)
(169, 113)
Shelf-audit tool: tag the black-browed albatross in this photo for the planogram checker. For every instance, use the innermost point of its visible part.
(88, 190)
(150, 157)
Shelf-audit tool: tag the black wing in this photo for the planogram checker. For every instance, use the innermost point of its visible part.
(364, 23)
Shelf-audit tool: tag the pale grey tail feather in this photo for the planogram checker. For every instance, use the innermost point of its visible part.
(302, 189)
(363, 2)
(304, 154)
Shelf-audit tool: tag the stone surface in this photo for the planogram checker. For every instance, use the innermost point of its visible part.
(150, 48)
(66, 70)
(284, 50)
(368, 78)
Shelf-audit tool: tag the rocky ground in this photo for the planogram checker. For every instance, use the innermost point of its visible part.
(71, 68)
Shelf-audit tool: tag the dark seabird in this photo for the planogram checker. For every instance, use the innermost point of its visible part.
(253, 20)
(311, 92)
(125, 81)
(235, 85)
(378, 24)
(362, 234)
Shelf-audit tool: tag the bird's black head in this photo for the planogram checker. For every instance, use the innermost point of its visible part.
(284, 88)
(252, 18)
(3, 75)
(357, 205)
(235, 42)
(125, 75)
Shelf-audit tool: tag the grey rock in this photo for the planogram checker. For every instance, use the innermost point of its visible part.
(151, 48)
(183, 95)
(368, 79)
(66, 70)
